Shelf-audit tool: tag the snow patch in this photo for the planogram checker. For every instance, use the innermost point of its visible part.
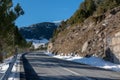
(5, 65)
(15, 73)
(3, 68)
(57, 23)
(93, 61)
(37, 43)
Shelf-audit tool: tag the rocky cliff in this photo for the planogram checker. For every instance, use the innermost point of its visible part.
(100, 38)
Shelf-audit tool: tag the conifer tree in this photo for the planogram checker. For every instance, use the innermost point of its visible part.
(8, 15)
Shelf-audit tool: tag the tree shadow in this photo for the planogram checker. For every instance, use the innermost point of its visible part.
(30, 74)
(71, 77)
(55, 62)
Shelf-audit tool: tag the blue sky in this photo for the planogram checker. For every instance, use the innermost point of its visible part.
(37, 11)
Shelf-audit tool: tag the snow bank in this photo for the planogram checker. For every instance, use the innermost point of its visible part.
(4, 66)
(94, 61)
(15, 73)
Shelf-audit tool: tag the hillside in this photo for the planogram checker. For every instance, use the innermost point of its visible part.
(92, 31)
(38, 31)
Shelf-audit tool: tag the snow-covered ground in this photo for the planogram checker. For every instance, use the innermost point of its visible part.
(4, 66)
(15, 70)
(37, 43)
(15, 73)
(93, 61)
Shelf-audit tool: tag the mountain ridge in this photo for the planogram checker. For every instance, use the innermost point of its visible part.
(38, 30)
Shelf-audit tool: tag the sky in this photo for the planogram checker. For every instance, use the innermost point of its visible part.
(37, 11)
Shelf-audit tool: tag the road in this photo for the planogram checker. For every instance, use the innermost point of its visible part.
(1, 74)
(39, 66)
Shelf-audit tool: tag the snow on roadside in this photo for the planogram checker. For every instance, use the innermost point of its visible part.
(4, 66)
(14, 73)
(93, 61)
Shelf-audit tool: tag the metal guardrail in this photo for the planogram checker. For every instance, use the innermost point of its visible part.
(7, 73)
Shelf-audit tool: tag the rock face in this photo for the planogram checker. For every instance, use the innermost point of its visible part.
(101, 38)
(84, 48)
(115, 47)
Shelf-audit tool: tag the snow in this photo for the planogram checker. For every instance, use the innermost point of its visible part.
(58, 22)
(4, 66)
(93, 61)
(37, 43)
(15, 73)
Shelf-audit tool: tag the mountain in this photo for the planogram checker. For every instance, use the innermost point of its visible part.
(38, 31)
(93, 30)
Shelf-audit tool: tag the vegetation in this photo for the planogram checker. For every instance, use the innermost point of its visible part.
(61, 27)
(107, 5)
(9, 35)
(92, 7)
(85, 10)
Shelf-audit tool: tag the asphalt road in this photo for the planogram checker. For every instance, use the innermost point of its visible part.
(1, 74)
(39, 66)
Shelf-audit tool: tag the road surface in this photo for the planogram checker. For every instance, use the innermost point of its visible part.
(38, 66)
(1, 74)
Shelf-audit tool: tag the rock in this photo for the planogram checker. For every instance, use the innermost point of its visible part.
(97, 32)
(84, 47)
(50, 45)
(115, 47)
(117, 34)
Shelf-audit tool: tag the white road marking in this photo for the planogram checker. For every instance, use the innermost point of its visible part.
(75, 73)
(71, 71)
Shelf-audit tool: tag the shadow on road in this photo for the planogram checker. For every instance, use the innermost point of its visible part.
(70, 77)
(44, 61)
(68, 64)
(30, 74)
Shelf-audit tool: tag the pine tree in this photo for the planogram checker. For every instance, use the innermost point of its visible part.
(8, 15)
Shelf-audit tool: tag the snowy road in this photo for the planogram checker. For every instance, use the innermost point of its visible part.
(39, 66)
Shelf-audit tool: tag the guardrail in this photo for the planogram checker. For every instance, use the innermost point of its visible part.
(7, 73)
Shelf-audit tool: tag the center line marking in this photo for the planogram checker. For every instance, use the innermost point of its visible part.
(76, 73)
(72, 71)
